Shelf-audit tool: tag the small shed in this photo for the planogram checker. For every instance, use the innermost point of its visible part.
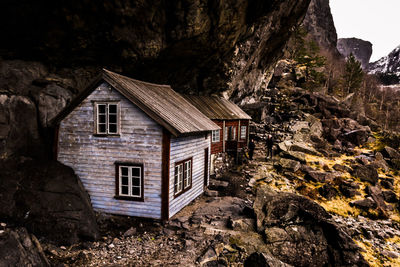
(233, 121)
(140, 149)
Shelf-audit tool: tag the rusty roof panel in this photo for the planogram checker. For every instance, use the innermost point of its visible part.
(217, 108)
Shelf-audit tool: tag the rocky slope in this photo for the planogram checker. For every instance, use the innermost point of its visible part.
(387, 68)
(319, 23)
(362, 50)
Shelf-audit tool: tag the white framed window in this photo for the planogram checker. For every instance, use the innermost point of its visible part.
(183, 176)
(243, 132)
(107, 118)
(130, 181)
(187, 181)
(215, 136)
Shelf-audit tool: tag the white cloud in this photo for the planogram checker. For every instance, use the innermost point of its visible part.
(370, 20)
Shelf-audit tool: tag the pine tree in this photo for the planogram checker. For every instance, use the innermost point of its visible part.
(353, 75)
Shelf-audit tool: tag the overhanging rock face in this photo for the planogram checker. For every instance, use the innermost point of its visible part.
(193, 45)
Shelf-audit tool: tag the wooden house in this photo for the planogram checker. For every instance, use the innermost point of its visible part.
(140, 149)
(233, 121)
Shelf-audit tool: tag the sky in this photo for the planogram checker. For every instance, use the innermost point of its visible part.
(377, 21)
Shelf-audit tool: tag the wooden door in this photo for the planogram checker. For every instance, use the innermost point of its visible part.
(206, 166)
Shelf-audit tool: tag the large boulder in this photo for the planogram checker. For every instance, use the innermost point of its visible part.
(18, 248)
(375, 192)
(19, 131)
(258, 259)
(366, 173)
(302, 147)
(289, 165)
(345, 130)
(299, 232)
(51, 101)
(47, 198)
(391, 153)
(320, 176)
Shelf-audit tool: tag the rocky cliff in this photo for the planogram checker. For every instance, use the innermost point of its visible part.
(388, 68)
(191, 44)
(319, 23)
(362, 50)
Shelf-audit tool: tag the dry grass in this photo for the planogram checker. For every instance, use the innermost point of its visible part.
(393, 240)
(374, 258)
(318, 162)
(369, 254)
(340, 206)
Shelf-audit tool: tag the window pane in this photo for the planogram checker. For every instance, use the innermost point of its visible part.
(112, 108)
(124, 190)
(112, 128)
(178, 178)
(102, 128)
(136, 191)
(176, 188)
(124, 180)
(243, 132)
(124, 171)
(101, 108)
(215, 136)
(112, 118)
(102, 119)
(136, 171)
(180, 185)
(135, 181)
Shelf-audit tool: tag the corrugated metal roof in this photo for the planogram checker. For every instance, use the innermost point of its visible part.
(159, 102)
(217, 108)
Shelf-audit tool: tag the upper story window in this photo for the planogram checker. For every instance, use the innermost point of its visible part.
(215, 136)
(107, 118)
(183, 176)
(129, 181)
(243, 132)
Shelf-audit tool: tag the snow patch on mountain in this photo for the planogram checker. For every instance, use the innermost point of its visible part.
(387, 68)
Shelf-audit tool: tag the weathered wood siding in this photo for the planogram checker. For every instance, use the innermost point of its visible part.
(183, 148)
(93, 158)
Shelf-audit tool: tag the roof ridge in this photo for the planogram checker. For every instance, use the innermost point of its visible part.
(106, 71)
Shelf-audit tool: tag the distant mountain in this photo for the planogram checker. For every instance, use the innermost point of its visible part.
(319, 23)
(387, 68)
(362, 50)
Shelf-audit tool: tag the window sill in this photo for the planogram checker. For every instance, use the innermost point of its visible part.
(182, 192)
(106, 135)
(140, 199)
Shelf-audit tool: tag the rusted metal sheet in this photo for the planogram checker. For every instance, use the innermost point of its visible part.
(93, 158)
(159, 102)
(183, 148)
(217, 108)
